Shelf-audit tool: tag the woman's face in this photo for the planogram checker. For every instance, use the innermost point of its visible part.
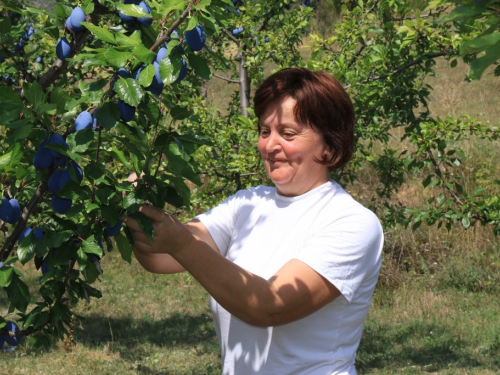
(290, 150)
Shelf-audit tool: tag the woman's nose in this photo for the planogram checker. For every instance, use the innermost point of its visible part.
(273, 142)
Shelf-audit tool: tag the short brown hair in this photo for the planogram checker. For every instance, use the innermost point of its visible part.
(321, 103)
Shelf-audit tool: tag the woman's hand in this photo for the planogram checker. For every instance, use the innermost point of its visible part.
(170, 236)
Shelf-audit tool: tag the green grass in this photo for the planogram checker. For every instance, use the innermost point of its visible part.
(144, 323)
(153, 324)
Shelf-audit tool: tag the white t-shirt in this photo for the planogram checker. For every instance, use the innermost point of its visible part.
(329, 231)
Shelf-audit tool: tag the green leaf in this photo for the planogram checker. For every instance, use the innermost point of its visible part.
(193, 22)
(199, 65)
(18, 293)
(464, 12)
(6, 274)
(34, 94)
(202, 4)
(146, 75)
(168, 6)
(480, 43)
(116, 58)
(478, 66)
(129, 91)
(26, 249)
(132, 10)
(179, 113)
(5, 25)
(88, 6)
(145, 224)
(12, 158)
(108, 115)
(56, 239)
(143, 54)
(104, 194)
(92, 247)
(179, 162)
(170, 68)
(21, 132)
(100, 33)
(124, 40)
(80, 141)
(10, 105)
(120, 155)
(124, 247)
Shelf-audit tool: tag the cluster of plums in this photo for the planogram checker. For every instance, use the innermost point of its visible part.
(46, 158)
(144, 21)
(73, 24)
(11, 340)
(27, 35)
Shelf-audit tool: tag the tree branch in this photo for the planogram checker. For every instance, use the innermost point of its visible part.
(401, 68)
(21, 224)
(225, 79)
(172, 27)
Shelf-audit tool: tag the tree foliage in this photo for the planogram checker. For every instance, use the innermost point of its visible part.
(150, 115)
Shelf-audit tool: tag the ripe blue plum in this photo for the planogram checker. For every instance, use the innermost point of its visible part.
(68, 24)
(61, 205)
(24, 233)
(43, 159)
(12, 340)
(6, 210)
(77, 16)
(45, 264)
(123, 73)
(83, 121)
(115, 229)
(195, 38)
(16, 210)
(63, 49)
(125, 18)
(156, 86)
(39, 234)
(183, 72)
(238, 31)
(58, 140)
(162, 52)
(77, 170)
(55, 181)
(127, 112)
(145, 21)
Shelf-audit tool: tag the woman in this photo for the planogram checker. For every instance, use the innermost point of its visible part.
(290, 269)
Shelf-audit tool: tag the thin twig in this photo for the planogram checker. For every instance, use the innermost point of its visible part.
(225, 79)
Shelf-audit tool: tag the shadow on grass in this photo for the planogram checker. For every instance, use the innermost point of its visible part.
(129, 335)
(430, 348)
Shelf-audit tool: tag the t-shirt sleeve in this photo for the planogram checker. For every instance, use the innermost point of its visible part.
(220, 221)
(346, 251)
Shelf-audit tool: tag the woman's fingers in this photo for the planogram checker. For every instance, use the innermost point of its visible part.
(153, 213)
